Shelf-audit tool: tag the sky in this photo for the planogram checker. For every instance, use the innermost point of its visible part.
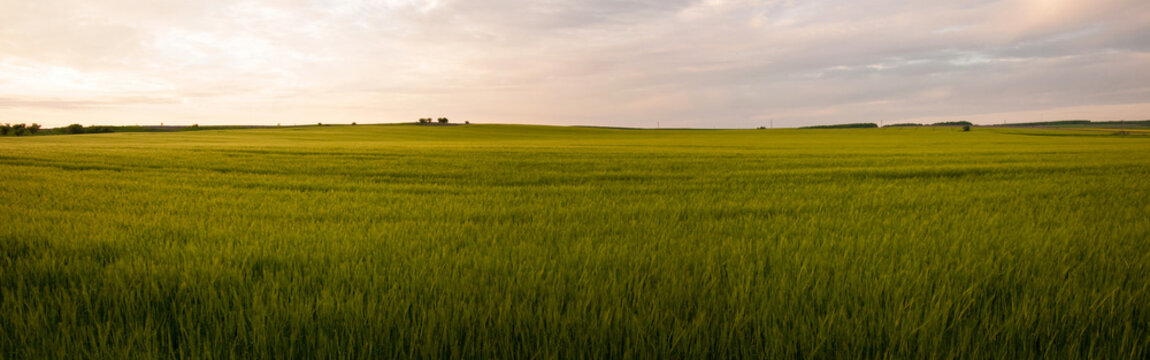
(637, 63)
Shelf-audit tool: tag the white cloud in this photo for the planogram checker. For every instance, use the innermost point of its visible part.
(706, 63)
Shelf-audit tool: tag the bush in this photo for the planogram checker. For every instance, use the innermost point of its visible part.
(966, 128)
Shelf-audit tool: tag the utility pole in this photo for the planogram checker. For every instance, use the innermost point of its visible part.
(772, 123)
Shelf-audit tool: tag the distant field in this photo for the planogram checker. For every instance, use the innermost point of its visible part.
(546, 242)
(1085, 124)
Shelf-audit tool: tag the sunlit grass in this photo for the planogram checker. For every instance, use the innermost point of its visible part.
(525, 242)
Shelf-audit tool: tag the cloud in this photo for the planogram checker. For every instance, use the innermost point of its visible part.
(705, 63)
(49, 103)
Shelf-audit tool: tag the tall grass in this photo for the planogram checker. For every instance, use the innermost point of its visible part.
(541, 242)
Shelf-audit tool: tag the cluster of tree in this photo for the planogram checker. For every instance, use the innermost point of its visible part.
(844, 126)
(441, 120)
(19, 129)
(80, 129)
(953, 123)
(904, 125)
(947, 123)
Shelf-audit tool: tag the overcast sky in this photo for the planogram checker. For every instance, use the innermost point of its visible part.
(672, 63)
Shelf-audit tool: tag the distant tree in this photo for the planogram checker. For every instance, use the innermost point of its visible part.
(422, 120)
(35, 128)
(904, 125)
(93, 129)
(966, 128)
(319, 124)
(19, 129)
(353, 123)
(443, 120)
(844, 126)
(952, 123)
(5, 129)
(466, 123)
(195, 126)
(74, 129)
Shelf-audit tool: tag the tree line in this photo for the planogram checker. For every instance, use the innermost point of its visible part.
(80, 129)
(33, 129)
(19, 129)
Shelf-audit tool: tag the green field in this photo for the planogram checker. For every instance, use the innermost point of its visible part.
(501, 241)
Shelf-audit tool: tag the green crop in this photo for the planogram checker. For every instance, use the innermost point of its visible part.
(489, 241)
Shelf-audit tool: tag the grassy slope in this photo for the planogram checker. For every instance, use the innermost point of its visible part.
(519, 241)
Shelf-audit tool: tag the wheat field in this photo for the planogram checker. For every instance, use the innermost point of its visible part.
(505, 241)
